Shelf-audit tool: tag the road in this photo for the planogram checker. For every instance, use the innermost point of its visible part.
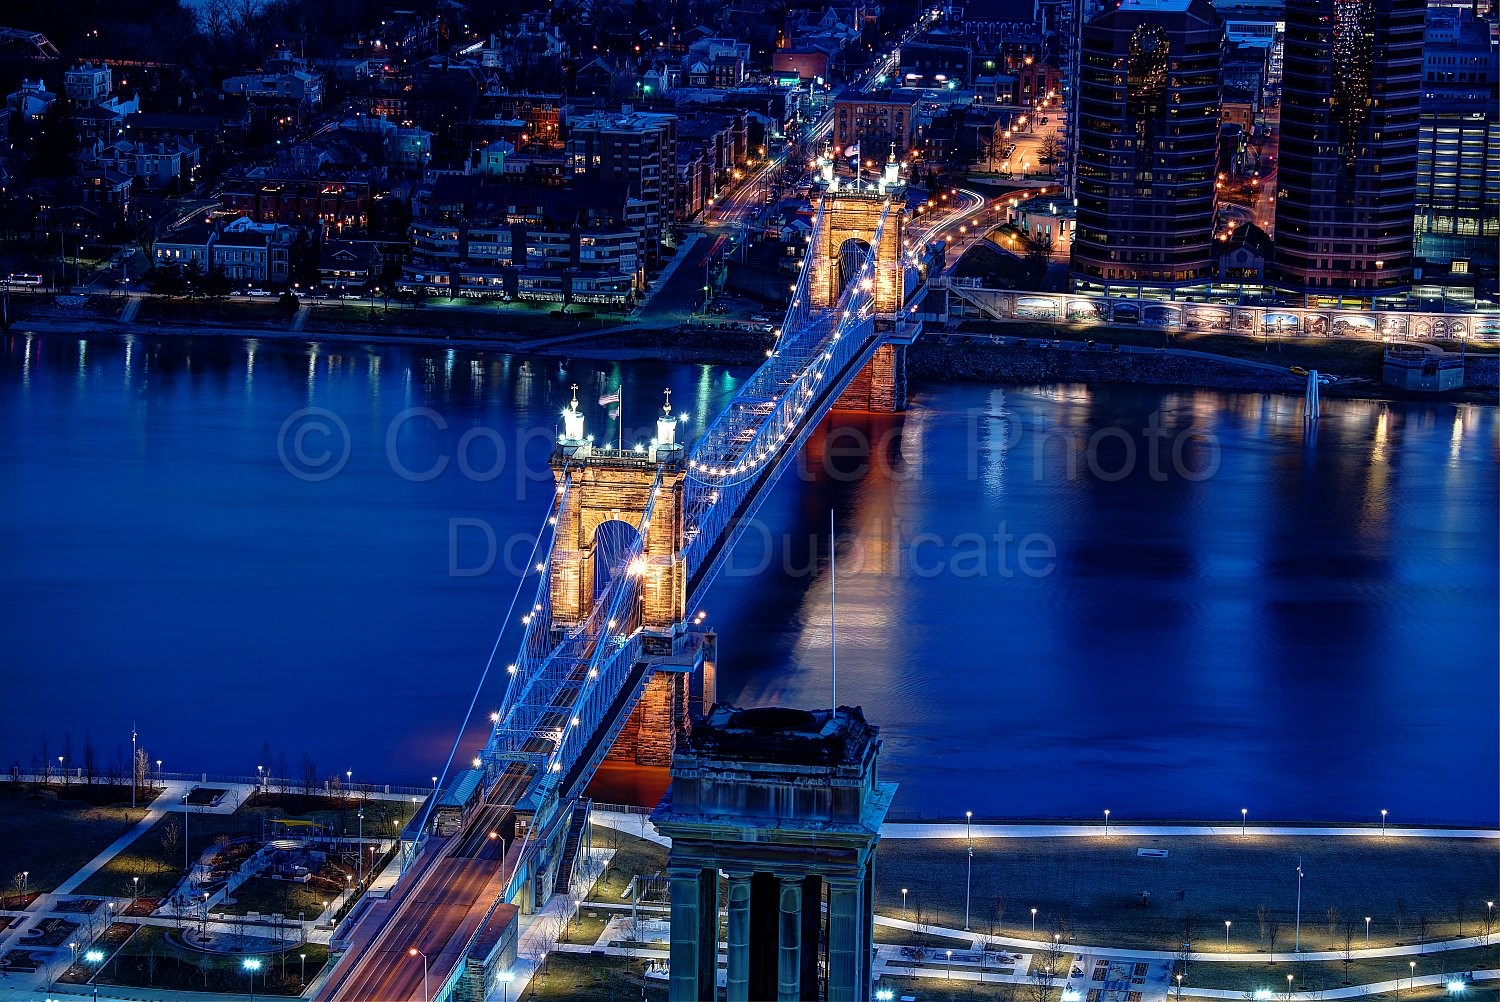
(436, 908)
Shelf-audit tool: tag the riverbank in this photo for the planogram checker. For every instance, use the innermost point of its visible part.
(1016, 357)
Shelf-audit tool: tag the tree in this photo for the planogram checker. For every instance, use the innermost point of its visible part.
(1461, 907)
(1050, 151)
(1273, 931)
(1261, 915)
(1043, 973)
(1333, 922)
(142, 769)
(1400, 917)
(18, 888)
(90, 760)
(1348, 949)
(309, 775)
(170, 839)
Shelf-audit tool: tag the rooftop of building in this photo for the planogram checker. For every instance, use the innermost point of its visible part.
(783, 735)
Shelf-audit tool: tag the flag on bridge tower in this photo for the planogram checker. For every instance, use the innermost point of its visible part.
(605, 399)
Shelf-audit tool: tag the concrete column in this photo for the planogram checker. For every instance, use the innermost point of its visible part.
(684, 945)
(846, 954)
(789, 956)
(738, 988)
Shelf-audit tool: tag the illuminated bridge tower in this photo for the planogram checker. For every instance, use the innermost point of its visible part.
(789, 804)
(611, 490)
(851, 213)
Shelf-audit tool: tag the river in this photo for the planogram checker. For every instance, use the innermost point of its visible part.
(1053, 600)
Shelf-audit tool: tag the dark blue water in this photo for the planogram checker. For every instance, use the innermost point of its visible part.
(1053, 600)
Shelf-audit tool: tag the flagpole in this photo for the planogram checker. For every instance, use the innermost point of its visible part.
(833, 612)
(620, 422)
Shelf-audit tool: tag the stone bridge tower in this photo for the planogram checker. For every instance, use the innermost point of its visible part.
(851, 215)
(614, 485)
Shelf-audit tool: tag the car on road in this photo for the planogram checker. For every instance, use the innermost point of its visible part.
(258, 293)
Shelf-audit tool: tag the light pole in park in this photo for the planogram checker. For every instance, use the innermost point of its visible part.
(1297, 941)
(903, 904)
(1244, 812)
(252, 964)
(969, 872)
(1227, 924)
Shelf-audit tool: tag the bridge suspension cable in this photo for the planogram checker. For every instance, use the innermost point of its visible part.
(768, 415)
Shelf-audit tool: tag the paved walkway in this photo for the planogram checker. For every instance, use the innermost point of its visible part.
(169, 798)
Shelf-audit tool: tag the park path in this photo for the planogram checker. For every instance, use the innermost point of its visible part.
(171, 793)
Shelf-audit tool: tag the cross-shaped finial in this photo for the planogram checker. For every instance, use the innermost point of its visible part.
(666, 408)
(575, 396)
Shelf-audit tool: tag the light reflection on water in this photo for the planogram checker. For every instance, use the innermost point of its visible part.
(1310, 631)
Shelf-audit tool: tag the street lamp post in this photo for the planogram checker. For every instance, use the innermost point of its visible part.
(135, 889)
(1383, 813)
(361, 817)
(969, 872)
(1106, 810)
(903, 904)
(185, 867)
(1411, 984)
(505, 979)
(134, 769)
(252, 964)
(1297, 941)
(1367, 932)
(302, 977)
(414, 952)
(1289, 986)
(1227, 924)
(1033, 921)
(1244, 812)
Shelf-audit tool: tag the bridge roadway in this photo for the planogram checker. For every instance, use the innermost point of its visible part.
(436, 908)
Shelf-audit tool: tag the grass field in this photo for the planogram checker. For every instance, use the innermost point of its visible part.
(632, 856)
(51, 837)
(580, 978)
(272, 897)
(1090, 888)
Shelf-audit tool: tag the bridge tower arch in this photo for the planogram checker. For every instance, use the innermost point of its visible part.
(851, 212)
(615, 485)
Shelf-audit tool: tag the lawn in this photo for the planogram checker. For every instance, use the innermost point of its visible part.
(1327, 975)
(272, 897)
(1090, 888)
(51, 837)
(581, 978)
(632, 856)
(235, 311)
(155, 958)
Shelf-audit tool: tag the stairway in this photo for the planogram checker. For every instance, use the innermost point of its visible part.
(571, 845)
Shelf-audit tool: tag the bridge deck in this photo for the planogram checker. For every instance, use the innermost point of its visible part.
(437, 908)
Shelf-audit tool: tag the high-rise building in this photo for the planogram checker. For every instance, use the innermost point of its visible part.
(1348, 154)
(1458, 143)
(1148, 137)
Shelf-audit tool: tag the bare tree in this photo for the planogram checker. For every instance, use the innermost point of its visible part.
(309, 775)
(18, 888)
(1043, 973)
(996, 918)
(1273, 932)
(1400, 917)
(171, 839)
(919, 920)
(142, 769)
(1262, 914)
(1422, 927)
(1333, 922)
(1461, 907)
(90, 759)
(1348, 949)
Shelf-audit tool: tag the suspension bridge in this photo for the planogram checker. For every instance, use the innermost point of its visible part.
(630, 545)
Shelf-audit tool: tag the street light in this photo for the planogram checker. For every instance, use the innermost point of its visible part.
(251, 965)
(1106, 822)
(1297, 944)
(1289, 986)
(1033, 921)
(1367, 932)
(414, 952)
(903, 904)
(302, 977)
(1382, 820)
(135, 888)
(1411, 984)
(1243, 812)
(505, 979)
(950, 965)
(1227, 924)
